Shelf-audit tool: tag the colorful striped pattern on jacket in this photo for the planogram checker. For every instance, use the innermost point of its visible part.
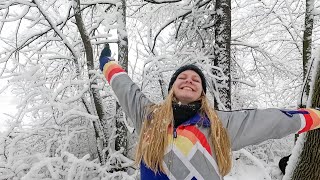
(188, 137)
(111, 70)
(310, 119)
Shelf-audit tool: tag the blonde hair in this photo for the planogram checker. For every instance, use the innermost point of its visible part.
(154, 136)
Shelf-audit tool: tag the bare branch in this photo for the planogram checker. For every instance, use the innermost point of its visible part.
(63, 38)
(181, 15)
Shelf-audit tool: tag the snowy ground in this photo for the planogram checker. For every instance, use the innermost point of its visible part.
(260, 162)
(252, 172)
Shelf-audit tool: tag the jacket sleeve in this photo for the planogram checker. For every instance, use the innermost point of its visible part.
(130, 97)
(248, 127)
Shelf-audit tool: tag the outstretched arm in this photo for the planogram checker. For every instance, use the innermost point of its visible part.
(130, 97)
(247, 127)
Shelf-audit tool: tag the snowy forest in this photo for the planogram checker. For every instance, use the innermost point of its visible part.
(67, 123)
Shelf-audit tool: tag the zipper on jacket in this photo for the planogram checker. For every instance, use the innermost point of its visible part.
(174, 132)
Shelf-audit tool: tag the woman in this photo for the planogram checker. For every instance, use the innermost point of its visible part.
(183, 137)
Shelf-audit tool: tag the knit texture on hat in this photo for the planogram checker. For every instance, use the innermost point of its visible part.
(189, 67)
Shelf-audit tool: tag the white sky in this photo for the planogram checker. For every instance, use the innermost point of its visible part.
(7, 105)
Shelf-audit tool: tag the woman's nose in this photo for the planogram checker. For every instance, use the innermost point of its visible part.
(189, 80)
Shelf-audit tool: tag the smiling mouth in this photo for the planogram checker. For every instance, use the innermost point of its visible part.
(187, 88)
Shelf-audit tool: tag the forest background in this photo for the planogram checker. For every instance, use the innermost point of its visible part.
(67, 123)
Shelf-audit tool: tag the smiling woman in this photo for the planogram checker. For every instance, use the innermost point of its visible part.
(183, 137)
(188, 84)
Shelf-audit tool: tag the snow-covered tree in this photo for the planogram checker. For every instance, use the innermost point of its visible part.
(49, 56)
(308, 159)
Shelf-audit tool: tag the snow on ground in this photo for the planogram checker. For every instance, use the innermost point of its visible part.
(249, 172)
(260, 162)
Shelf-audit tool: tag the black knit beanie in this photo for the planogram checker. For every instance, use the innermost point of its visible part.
(188, 67)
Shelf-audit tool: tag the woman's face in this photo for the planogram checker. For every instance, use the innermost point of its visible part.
(188, 87)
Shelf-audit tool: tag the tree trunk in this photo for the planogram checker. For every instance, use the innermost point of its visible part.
(309, 159)
(94, 93)
(222, 50)
(316, 90)
(162, 87)
(307, 43)
(121, 139)
(307, 36)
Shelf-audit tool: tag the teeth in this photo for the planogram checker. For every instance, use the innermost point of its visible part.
(187, 88)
